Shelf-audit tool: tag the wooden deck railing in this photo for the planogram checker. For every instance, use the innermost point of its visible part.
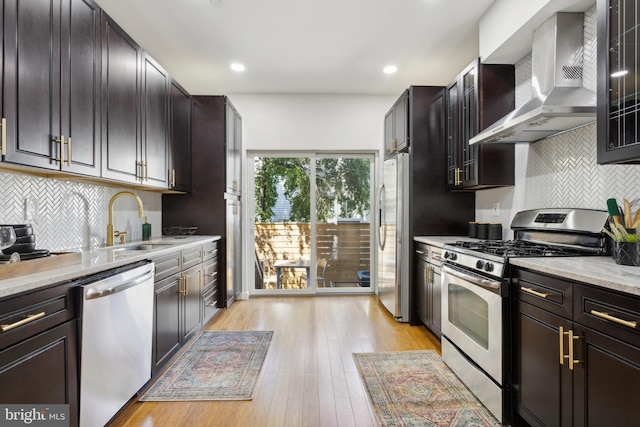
(346, 247)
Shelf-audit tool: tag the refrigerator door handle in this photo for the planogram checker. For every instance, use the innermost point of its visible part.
(382, 236)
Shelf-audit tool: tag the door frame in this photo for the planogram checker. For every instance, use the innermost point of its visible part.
(249, 284)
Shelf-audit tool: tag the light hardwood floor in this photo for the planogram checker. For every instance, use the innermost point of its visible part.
(309, 377)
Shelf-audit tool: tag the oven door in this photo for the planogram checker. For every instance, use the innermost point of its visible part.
(472, 317)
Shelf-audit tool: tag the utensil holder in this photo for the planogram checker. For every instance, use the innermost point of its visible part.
(626, 253)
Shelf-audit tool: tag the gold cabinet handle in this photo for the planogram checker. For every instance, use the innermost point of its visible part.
(69, 151)
(235, 185)
(534, 292)
(173, 177)
(457, 179)
(214, 274)
(146, 171)
(28, 319)
(3, 138)
(420, 252)
(61, 142)
(569, 356)
(607, 316)
(562, 333)
(572, 361)
(392, 145)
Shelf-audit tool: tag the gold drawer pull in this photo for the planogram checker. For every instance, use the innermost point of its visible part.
(214, 274)
(29, 318)
(420, 252)
(607, 316)
(534, 292)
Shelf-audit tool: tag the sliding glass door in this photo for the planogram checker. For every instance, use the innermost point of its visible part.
(311, 222)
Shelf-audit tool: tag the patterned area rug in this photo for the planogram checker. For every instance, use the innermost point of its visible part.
(221, 365)
(416, 388)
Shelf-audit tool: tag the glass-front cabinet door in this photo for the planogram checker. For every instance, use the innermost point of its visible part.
(619, 82)
(454, 169)
(469, 124)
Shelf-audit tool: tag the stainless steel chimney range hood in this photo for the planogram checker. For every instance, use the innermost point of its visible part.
(559, 102)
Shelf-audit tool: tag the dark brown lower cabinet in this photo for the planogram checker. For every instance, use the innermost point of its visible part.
(576, 353)
(191, 297)
(42, 370)
(428, 289)
(166, 339)
(543, 387)
(184, 284)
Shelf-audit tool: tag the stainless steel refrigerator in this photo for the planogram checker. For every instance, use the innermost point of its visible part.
(393, 237)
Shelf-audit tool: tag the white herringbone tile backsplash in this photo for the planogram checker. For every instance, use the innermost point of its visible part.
(560, 171)
(73, 215)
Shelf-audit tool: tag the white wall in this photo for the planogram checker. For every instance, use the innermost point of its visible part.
(312, 122)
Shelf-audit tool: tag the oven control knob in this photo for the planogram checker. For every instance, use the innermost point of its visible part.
(454, 256)
(480, 264)
(488, 267)
(446, 255)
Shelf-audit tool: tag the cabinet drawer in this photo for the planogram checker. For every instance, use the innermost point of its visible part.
(209, 274)
(167, 265)
(209, 304)
(48, 308)
(191, 257)
(611, 313)
(546, 292)
(209, 250)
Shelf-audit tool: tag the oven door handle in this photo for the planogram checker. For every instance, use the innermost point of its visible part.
(476, 280)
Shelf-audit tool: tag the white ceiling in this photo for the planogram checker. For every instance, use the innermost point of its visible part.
(304, 46)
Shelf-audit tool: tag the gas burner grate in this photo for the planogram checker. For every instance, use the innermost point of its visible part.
(519, 248)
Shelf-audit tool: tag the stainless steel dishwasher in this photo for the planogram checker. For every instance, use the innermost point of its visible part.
(116, 327)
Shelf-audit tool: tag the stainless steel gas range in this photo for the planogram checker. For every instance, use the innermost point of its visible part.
(475, 291)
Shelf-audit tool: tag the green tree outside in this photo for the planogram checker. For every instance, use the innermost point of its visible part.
(341, 181)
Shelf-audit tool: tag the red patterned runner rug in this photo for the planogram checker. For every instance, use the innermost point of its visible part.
(416, 388)
(220, 365)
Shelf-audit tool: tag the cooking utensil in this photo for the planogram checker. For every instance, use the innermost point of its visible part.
(614, 212)
(627, 214)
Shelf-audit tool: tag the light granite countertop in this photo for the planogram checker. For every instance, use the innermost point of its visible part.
(594, 270)
(97, 260)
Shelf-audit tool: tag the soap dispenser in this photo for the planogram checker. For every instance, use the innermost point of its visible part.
(146, 229)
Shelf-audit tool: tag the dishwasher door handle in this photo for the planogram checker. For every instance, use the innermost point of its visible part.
(93, 291)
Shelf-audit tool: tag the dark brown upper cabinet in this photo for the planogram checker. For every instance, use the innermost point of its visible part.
(479, 96)
(135, 119)
(180, 142)
(51, 85)
(121, 106)
(155, 123)
(618, 73)
(396, 126)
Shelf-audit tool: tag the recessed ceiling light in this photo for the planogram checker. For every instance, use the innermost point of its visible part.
(390, 69)
(236, 66)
